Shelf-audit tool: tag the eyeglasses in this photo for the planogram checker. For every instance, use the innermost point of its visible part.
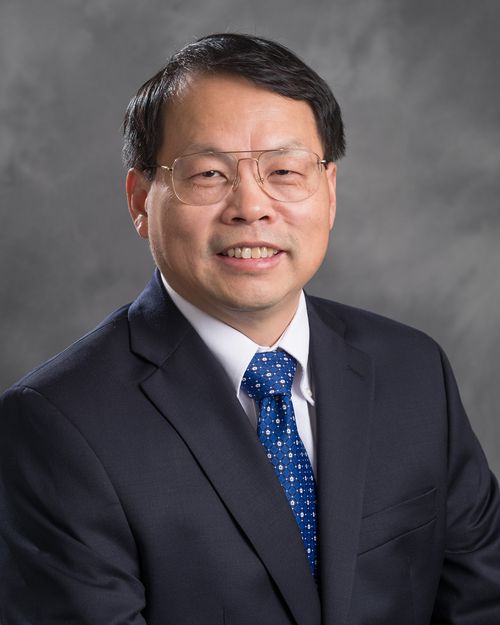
(286, 174)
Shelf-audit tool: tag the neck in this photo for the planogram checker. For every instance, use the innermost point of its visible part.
(265, 330)
(263, 326)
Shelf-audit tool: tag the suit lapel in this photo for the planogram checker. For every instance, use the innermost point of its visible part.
(213, 425)
(343, 394)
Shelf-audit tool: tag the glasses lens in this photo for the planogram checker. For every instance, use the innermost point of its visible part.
(200, 179)
(285, 175)
(289, 175)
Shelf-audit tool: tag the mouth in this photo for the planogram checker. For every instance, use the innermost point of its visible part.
(255, 252)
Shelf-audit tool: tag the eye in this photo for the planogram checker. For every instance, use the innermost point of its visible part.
(206, 178)
(283, 175)
(211, 173)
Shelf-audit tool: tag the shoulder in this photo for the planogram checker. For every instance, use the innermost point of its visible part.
(85, 359)
(379, 336)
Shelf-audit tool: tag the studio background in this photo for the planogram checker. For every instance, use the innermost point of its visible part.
(418, 221)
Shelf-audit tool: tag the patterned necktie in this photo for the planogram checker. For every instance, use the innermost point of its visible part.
(268, 380)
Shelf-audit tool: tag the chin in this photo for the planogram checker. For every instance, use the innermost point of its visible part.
(248, 307)
(260, 303)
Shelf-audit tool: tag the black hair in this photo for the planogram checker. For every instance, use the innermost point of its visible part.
(264, 62)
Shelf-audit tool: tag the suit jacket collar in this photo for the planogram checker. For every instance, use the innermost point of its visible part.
(343, 382)
(156, 326)
(225, 445)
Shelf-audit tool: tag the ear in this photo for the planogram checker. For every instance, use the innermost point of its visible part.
(331, 176)
(137, 187)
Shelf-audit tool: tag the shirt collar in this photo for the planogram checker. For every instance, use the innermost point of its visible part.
(235, 350)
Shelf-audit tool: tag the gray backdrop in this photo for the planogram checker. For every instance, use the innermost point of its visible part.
(418, 205)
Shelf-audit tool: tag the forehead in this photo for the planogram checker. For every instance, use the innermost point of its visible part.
(225, 112)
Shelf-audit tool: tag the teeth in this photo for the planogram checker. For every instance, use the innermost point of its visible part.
(251, 252)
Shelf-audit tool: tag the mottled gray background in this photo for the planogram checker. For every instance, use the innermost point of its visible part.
(418, 210)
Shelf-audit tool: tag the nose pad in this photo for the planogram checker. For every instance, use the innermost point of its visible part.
(237, 178)
(258, 178)
(236, 181)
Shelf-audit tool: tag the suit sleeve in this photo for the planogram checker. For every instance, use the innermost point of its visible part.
(67, 553)
(469, 591)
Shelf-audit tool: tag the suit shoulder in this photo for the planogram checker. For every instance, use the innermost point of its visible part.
(365, 329)
(91, 351)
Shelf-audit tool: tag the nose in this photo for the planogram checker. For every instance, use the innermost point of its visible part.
(247, 202)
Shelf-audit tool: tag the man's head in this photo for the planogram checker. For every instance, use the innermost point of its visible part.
(241, 235)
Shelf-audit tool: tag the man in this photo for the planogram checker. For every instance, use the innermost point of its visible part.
(226, 450)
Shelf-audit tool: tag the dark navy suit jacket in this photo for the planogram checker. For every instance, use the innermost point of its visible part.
(135, 491)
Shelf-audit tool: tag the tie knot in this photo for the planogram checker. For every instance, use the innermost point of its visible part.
(269, 373)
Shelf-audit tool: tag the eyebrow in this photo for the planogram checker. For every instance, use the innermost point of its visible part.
(193, 148)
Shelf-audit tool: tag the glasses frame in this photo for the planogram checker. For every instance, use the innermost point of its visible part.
(235, 181)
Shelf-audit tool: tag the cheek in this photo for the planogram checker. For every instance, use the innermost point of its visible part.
(325, 221)
(314, 239)
(181, 238)
(318, 227)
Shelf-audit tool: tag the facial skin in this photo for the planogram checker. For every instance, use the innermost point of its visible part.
(257, 296)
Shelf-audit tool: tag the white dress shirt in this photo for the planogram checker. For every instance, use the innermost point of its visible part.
(234, 350)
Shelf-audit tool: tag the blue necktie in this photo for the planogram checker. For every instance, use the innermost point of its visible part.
(268, 380)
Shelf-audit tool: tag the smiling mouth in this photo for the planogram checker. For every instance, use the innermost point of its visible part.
(250, 252)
